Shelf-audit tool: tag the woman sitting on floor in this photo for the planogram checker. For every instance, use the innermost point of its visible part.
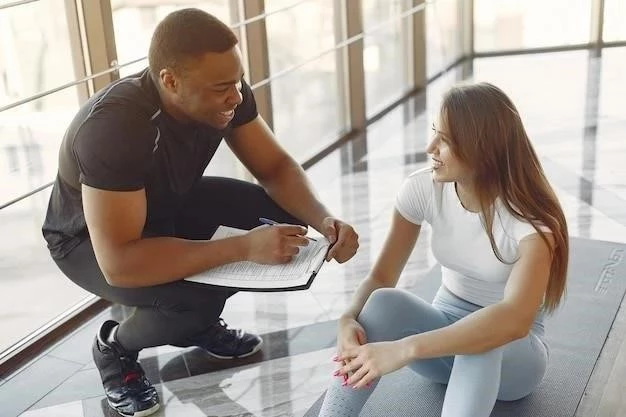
(501, 237)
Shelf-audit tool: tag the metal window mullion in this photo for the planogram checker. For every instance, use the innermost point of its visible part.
(354, 71)
(341, 59)
(597, 24)
(76, 46)
(99, 40)
(418, 51)
(258, 57)
(466, 34)
(407, 48)
(236, 17)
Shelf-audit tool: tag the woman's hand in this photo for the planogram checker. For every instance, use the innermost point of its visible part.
(373, 360)
(350, 334)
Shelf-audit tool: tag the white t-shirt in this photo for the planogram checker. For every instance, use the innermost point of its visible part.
(460, 243)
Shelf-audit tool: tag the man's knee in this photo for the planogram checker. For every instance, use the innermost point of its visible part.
(182, 296)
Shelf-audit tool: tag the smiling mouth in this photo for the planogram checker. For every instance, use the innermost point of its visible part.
(436, 163)
(227, 114)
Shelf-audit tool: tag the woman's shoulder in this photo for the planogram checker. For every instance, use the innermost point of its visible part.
(415, 198)
(423, 180)
(422, 173)
(515, 225)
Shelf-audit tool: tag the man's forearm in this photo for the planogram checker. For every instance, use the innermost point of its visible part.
(159, 260)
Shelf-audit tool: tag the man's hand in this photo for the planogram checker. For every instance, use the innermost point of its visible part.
(343, 239)
(275, 244)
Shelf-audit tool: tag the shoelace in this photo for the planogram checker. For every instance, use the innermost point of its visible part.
(224, 333)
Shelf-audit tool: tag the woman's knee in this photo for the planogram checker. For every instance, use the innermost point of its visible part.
(383, 313)
(524, 365)
(382, 301)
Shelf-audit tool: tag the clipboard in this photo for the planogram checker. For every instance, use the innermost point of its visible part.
(250, 276)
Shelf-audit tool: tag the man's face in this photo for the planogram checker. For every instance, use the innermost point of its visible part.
(209, 88)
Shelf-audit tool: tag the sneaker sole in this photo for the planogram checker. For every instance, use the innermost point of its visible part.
(142, 413)
(245, 355)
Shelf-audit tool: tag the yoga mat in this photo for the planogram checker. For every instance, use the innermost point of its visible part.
(575, 333)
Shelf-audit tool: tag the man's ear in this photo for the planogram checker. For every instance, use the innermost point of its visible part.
(168, 80)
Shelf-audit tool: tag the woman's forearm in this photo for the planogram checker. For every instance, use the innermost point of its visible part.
(481, 331)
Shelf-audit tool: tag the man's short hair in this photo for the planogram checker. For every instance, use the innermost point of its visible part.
(186, 34)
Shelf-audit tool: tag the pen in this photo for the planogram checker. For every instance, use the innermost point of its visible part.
(267, 221)
(273, 223)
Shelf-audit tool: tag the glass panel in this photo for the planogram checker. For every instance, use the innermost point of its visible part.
(442, 35)
(35, 52)
(513, 24)
(33, 289)
(30, 137)
(614, 13)
(383, 53)
(610, 170)
(306, 104)
(134, 22)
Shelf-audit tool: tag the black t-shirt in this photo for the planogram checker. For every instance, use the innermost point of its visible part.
(121, 140)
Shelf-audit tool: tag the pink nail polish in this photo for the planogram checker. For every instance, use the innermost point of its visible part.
(336, 373)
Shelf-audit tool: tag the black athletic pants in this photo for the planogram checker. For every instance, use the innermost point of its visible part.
(169, 313)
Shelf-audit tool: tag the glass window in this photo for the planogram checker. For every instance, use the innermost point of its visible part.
(306, 108)
(383, 53)
(30, 138)
(513, 24)
(609, 170)
(442, 35)
(614, 13)
(35, 52)
(134, 22)
(33, 289)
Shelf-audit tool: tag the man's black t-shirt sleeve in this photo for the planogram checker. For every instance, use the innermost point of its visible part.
(114, 148)
(246, 111)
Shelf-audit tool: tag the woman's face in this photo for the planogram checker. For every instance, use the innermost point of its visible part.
(447, 167)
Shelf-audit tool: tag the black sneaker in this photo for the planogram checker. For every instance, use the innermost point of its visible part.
(127, 389)
(224, 343)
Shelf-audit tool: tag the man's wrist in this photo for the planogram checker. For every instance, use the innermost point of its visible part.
(241, 248)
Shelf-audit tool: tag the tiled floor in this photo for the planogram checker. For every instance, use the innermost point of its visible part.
(573, 105)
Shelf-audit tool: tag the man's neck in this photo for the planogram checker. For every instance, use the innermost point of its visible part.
(168, 106)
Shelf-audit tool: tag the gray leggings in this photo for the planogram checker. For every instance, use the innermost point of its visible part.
(474, 382)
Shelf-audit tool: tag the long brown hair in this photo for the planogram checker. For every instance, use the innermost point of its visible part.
(488, 135)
